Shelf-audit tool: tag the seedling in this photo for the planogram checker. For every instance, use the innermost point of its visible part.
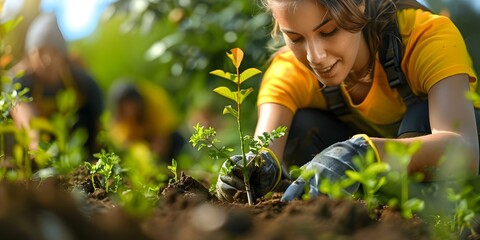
(467, 208)
(173, 169)
(371, 176)
(401, 154)
(206, 137)
(108, 169)
(142, 180)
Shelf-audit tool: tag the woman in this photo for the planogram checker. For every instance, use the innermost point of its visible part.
(336, 43)
(144, 115)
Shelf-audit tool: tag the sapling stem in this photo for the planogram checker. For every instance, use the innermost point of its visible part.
(246, 178)
(2, 149)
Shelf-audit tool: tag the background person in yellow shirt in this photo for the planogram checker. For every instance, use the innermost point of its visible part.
(335, 44)
(142, 113)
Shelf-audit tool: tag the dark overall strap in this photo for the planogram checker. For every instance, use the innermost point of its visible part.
(391, 55)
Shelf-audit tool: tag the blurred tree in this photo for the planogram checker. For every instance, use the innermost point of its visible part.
(176, 43)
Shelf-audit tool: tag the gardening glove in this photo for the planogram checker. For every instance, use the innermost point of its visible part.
(331, 164)
(265, 173)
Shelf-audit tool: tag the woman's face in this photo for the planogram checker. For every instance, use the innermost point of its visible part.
(316, 40)
(47, 63)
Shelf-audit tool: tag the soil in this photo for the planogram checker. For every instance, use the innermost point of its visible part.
(187, 210)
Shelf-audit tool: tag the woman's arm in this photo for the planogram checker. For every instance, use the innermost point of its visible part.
(271, 116)
(453, 124)
(22, 114)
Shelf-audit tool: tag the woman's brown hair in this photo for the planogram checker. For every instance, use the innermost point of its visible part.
(377, 16)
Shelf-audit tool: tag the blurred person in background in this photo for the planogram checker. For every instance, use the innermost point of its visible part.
(46, 71)
(142, 113)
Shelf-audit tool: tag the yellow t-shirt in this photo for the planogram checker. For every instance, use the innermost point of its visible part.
(434, 50)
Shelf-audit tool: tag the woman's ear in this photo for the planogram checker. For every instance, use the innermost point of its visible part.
(361, 6)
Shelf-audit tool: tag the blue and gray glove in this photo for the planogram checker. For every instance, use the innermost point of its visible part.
(265, 173)
(331, 164)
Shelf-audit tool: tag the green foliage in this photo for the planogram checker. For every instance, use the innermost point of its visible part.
(62, 147)
(335, 190)
(143, 179)
(107, 169)
(371, 175)
(400, 155)
(11, 95)
(264, 140)
(206, 137)
(8, 99)
(173, 169)
(138, 199)
(467, 208)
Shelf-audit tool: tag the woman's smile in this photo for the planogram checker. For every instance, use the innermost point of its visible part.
(325, 73)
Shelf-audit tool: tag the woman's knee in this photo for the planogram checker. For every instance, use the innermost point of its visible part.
(311, 131)
(416, 121)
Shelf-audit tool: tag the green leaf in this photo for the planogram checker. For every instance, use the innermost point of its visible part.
(236, 56)
(354, 175)
(224, 91)
(382, 181)
(43, 124)
(247, 74)
(230, 110)
(414, 204)
(226, 75)
(244, 93)
(377, 168)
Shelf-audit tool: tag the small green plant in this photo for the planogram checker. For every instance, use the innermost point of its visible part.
(467, 208)
(206, 137)
(371, 175)
(142, 180)
(107, 169)
(173, 169)
(401, 154)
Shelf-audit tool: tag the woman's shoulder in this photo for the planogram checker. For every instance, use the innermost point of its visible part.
(421, 21)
